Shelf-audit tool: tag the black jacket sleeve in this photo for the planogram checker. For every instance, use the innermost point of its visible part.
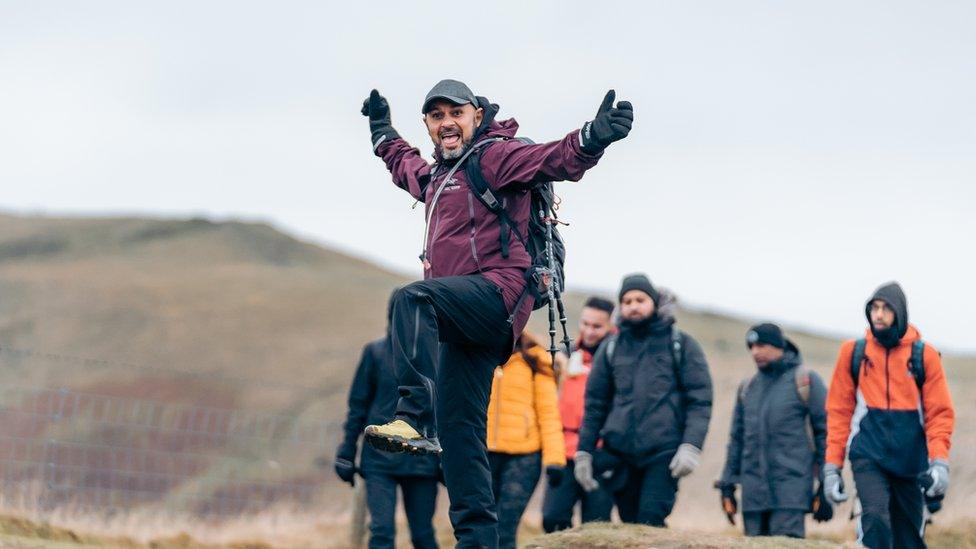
(733, 452)
(818, 418)
(697, 385)
(597, 402)
(361, 396)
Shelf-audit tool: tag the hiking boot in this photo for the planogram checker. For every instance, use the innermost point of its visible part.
(398, 436)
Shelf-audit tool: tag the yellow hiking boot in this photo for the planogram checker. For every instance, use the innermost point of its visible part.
(398, 436)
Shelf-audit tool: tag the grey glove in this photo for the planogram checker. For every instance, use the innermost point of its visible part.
(939, 471)
(833, 484)
(583, 471)
(685, 460)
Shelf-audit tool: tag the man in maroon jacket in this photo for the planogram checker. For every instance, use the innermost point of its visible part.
(460, 322)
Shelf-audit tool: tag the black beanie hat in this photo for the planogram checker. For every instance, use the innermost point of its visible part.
(600, 304)
(767, 333)
(640, 282)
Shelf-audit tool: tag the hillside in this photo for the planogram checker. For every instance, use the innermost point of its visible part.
(195, 318)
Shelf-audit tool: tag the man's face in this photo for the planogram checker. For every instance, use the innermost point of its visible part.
(765, 354)
(882, 315)
(451, 127)
(636, 305)
(594, 325)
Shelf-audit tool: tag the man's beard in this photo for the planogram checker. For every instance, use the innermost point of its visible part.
(454, 154)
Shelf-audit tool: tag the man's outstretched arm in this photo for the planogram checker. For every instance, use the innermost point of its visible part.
(517, 163)
(410, 171)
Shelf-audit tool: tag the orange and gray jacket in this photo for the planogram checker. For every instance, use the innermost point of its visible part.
(885, 417)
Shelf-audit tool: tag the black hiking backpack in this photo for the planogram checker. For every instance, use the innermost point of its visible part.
(543, 208)
(916, 364)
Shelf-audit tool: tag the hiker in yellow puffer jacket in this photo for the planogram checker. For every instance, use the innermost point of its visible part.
(525, 432)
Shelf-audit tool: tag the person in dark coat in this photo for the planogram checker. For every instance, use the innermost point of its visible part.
(649, 397)
(453, 328)
(777, 439)
(373, 398)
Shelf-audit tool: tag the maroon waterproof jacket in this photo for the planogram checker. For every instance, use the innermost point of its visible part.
(463, 236)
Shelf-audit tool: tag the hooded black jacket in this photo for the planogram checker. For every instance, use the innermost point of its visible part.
(641, 403)
(770, 451)
(372, 400)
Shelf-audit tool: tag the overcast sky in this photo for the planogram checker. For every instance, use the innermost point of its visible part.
(786, 157)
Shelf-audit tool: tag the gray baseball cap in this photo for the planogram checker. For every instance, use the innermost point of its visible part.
(452, 90)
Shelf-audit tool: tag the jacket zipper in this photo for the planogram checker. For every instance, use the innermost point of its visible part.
(474, 249)
(887, 379)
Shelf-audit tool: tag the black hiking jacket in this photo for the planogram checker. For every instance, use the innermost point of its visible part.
(641, 403)
(776, 440)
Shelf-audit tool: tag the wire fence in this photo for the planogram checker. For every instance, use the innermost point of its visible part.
(67, 449)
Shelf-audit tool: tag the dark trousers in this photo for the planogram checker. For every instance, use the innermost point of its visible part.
(419, 502)
(649, 494)
(891, 508)
(785, 522)
(513, 479)
(455, 331)
(558, 505)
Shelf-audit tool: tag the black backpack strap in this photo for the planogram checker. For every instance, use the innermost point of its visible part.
(482, 191)
(678, 357)
(917, 364)
(611, 347)
(857, 357)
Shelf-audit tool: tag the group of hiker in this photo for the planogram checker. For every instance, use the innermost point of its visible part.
(459, 393)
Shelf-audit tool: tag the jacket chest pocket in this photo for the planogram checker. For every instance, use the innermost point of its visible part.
(623, 378)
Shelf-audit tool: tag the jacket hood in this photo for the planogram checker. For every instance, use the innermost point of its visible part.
(489, 127)
(791, 358)
(892, 294)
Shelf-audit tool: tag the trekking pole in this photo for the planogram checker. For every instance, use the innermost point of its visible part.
(551, 288)
(550, 280)
(567, 341)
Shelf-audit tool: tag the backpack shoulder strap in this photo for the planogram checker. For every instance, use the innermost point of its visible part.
(801, 375)
(857, 357)
(917, 363)
(482, 191)
(744, 388)
(611, 347)
(677, 346)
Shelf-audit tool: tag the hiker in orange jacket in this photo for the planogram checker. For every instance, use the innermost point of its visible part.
(595, 324)
(524, 432)
(889, 408)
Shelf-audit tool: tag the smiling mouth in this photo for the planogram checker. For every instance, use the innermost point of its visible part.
(450, 139)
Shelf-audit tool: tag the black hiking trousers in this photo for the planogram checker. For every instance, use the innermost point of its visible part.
(419, 503)
(779, 522)
(448, 336)
(559, 503)
(513, 478)
(648, 497)
(892, 508)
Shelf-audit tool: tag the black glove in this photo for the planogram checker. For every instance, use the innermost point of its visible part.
(821, 508)
(346, 471)
(729, 504)
(611, 124)
(378, 111)
(554, 475)
(933, 503)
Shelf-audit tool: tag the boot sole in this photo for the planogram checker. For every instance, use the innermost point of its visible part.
(399, 445)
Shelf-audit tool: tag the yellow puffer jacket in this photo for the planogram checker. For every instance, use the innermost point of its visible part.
(523, 414)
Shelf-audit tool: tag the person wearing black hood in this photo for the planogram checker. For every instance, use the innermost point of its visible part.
(889, 409)
(372, 398)
(649, 398)
(770, 451)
